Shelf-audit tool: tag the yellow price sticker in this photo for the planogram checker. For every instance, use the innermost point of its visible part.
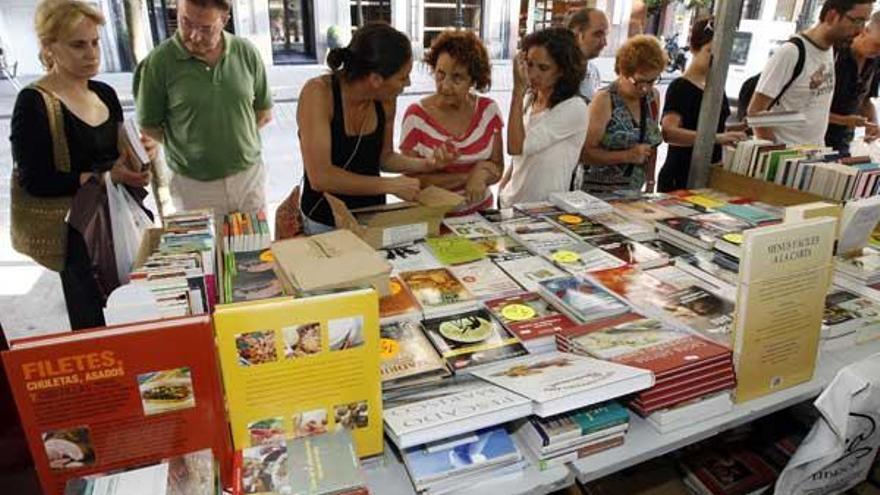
(571, 219)
(395, 287)
(389, 348)
(267, 257)
(566, 257)
(518, 312)
(733, 238)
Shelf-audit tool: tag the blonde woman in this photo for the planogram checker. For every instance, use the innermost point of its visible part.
(90, 117)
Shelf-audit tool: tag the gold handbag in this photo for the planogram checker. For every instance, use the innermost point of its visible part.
(38, 223)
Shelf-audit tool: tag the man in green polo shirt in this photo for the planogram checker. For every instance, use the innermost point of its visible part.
(204, 94)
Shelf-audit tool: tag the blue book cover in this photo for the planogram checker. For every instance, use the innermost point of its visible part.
(491, 446)
(750, 214)
(601, 416)
(587, 300)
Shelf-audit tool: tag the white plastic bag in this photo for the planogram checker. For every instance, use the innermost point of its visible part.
(129, 222)
(839, 450)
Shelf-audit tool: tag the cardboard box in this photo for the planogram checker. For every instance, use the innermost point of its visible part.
(398, 223)
(335, 260)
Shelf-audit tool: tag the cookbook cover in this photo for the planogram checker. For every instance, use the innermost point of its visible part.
(299, 367)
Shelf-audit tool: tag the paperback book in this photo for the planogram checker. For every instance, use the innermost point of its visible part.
(581, 299)
(407, 356)
(531, 318)
(484, 279)
(438, 292)
(472, 339)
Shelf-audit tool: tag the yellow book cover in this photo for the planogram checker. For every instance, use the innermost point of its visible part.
(784, 276)
(704, 201)
(298, 367)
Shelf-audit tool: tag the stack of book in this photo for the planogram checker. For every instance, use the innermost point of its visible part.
(849, 319)
(706, 266)
(531, 318)
(702, 232)
(576, 434)
(685, 365)
(176, 280)
(243, 232)
(540, 236)
(579, 202)
(463, 462)
(408, 359)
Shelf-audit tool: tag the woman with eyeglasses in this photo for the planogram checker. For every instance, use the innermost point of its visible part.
(459, 121)
(620, 151)
(681, 112)
(547, 120)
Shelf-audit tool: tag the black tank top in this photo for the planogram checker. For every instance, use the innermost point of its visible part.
(364, 162)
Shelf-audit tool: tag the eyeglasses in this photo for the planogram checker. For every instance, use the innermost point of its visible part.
(858, 21)
(203, 30)
(643, 82)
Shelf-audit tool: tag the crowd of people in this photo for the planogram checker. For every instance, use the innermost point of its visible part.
(203, 95)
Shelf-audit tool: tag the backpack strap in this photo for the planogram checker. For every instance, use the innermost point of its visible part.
(798, 68)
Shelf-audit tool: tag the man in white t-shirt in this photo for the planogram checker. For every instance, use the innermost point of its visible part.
(590, 28)
(811, 92)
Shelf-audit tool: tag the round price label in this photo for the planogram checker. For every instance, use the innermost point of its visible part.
(267, 257)
(571, 219)
(388, 348)
(733, 238)
(518, 312)
(566, 257)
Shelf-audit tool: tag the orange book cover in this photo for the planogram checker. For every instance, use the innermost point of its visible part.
(117, 397)
(399, 302)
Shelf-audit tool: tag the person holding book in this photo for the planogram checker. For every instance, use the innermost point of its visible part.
(65, 132)
(547, 122)
(346, 128)
(857, 77)
(810, 91)
(455, 117)
(681, 112)
(620, 152)
(204, 94)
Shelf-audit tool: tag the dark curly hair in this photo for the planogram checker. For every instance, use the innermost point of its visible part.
(465, 48)
(376, 47)
(702, 33)
(563, 49)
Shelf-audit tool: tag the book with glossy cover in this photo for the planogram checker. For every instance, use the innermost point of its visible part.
(407, 354)
(581, 226)
(502, 247)
(579, 422)
(582, 299)
(493, 446)
(411, 257)
(631, 252)
(557, 382)
(399, 303)
(299, 367)
(691, 230)
(438, 291)
(454, 250)
(581, 258)
(87, 400)
(530, 271)
(641, 210)
(529, 316)
(471, 226)
(472, 339)
(484, 279)
(324, 464)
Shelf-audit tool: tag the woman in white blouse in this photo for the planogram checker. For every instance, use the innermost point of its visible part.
(547, 123)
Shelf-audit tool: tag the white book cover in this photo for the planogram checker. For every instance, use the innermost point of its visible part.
(629, 228)
(410, 258)
(464, 410)
(557, 382)
(857, 223)
(471, 226)
(579, 202)
(530, 271)
(484, 279)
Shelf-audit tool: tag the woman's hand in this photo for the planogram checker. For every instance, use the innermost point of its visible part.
(730, 137)
(405, 188)
(639, 154)
(475, 189)
(520, 72)
(122, 173)
(442, 156)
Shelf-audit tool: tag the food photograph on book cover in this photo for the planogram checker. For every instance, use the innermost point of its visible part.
(256, 348)
(308, 423)
(264, 469)
(301, 340)
(352, 416)
(70, 448)
(266, 431)
(164, 391)
(345, 333)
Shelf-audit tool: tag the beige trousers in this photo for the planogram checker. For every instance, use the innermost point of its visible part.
(244, 192)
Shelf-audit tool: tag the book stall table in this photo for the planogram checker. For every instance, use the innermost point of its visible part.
(643, 442)
(389, 477)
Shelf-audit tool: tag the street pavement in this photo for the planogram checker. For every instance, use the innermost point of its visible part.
(31, 297)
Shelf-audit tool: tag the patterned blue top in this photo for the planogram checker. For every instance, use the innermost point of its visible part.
(621, 133)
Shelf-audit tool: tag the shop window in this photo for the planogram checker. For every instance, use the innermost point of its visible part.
(290, 26)
(364, 11)
(443, 15)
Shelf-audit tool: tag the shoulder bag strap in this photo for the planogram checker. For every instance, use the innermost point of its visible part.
(60, 151)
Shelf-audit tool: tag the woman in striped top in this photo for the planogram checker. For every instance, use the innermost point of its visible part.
(467, 125)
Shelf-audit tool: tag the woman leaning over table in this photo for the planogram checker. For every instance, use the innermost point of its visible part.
(681, 112)
(620, 153)
(91, 117)
(467, 124)
(548, 117)
(346, 128)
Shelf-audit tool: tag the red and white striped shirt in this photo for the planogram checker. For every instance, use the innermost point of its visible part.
(422, 133)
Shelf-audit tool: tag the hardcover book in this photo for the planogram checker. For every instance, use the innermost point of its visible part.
(530, 317)
(557, 382)
(300, 367)
(88, 400)
(472, 339)
(581, 299)
(407, 355)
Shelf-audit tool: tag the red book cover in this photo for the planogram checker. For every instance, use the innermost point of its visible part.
(529, 316)
(736, 472)
(687, 382)
(117, 397)
(646, 343)
(672, 400)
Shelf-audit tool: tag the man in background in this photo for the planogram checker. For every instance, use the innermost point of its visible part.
(590, 28)
(857, 76)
